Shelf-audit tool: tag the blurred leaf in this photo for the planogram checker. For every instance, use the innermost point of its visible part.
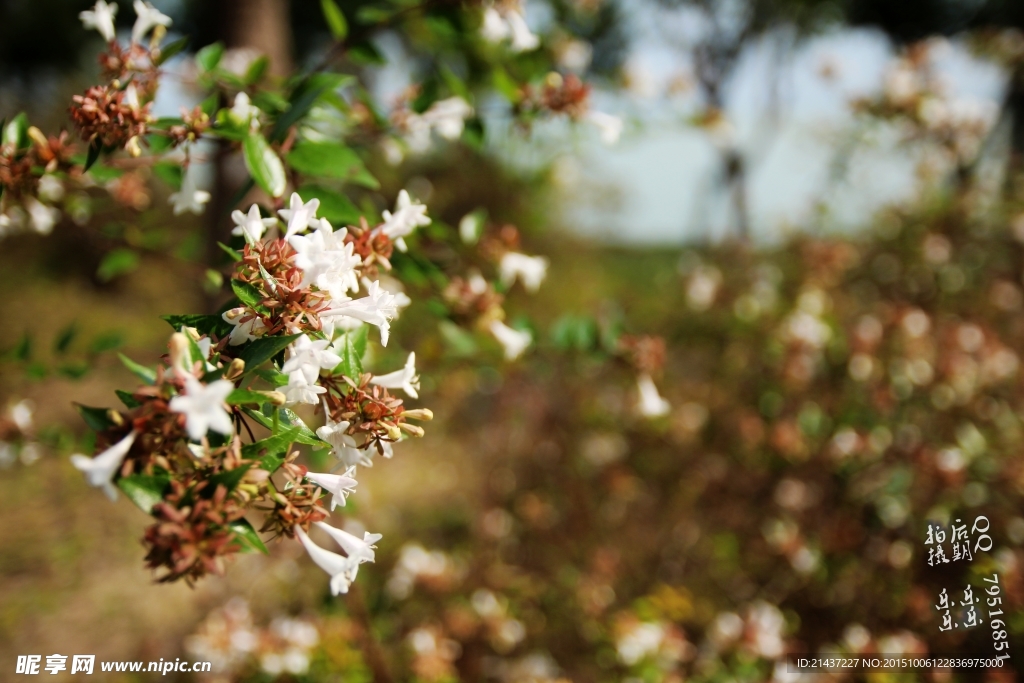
(331, 160)
(127, 399)
(98, 419)
(144, 490)
(460, 343)
(258, 352)
(455, 84)
(169, 173)
(23, 349)
(64, 339)
(107, 341)
(247, 536)
(334, 206)
(117, 262)
(233, 254)
(288, 418)
(213, 281)
(264, 165)
(335, 19)
(366, 54)
(141, 371)
(16, 132)
(204, 324)
(504, 84)
(94, 154)
(243, 396)
(74, 369)
(170, 50)
(256, 70)
(209, 57)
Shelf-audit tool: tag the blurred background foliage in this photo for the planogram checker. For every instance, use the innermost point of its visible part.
(831, 394)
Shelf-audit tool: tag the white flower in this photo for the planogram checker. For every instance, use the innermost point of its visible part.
(148, 17)
(641, 641)
(407, 217)
(448, 117)
(203, 407)
(300, 217)
(651, 402)
(530, 269)
(378, 307)
(189, 198)
(301, 390)
(494, 28)
(609, 126)
(405, 379)
(354, 547)
(244, 331)
(41, 216)
(131, 96)
(508, 22)
(340, 485)
(51, 189)
(251, 225)
(244, 112)
(514, 341)
(310, 357)
(341, 569)
(344, 445)
(21, 415)
(100, 471)
(326, 260)
(101, 18)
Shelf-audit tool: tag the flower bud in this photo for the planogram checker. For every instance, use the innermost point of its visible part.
(393, 432)
(133, 146)
(181, 355)
(412, 430)
(423, 414)
(37, 137)
(235, 370)
(274, 397)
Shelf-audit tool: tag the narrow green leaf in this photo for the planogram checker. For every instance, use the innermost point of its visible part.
(256, 69)
(335, 19)
(98, 419)
(144, 490)
(334, 206)
(352, 346)
(16, 132)
(229, 479)
(289, 418)
(141, 371)
(203, 324)
(94, 154)
(243, 396)
(170, 50)
(107, 341)
(331, 160)
(248, 537)
(209, 57)
(258, 352)
(264, 165)
(272, 445)
(247, 294)
(127, 399)
(233, 254)
(116, 263)
(64, 339)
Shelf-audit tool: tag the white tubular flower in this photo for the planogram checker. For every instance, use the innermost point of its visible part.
(345, 447)
(340, 485)
(405, 379)
(147, 18)
(378, 307)
(189, 198)
(494, 29)
(609, 126)
(251, 225)
(301, 390)
(531, 270)
(651, 402)
(407, 217)
(514, 341)
(100, 471)
(244, 331)
(326, 260)
(51, 189)
(41, 217)
(310, 357)
(300, 217)
(448, 117)
(131, 96)
(101, 18)
(203, 407)
(523, 39)
(342, 569)
(245, 112)
(356, 548)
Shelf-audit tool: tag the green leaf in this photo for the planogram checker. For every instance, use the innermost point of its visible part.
(16, 132)
(144, 490)
(258, 352)
(141, 371)
(23, 349)
(335, 19)
(359, 339)
(247, 536)
(256, 69)
(233, 254)
(170, 50)
(64, 339)
(203, 324)
(107, 341)
(117, 262)
(241, 396)
(169, 173)
(274, 377)
(94, 154)
(98, 419)
(273, 445)
(229, 479)
(264, 165)
(209, 57)
(127, 399)
(334, 206)
(288, 418)
(247, 294)
(331, 160)
(351, 364)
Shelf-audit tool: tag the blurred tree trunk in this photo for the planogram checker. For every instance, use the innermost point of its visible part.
(265, 27)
